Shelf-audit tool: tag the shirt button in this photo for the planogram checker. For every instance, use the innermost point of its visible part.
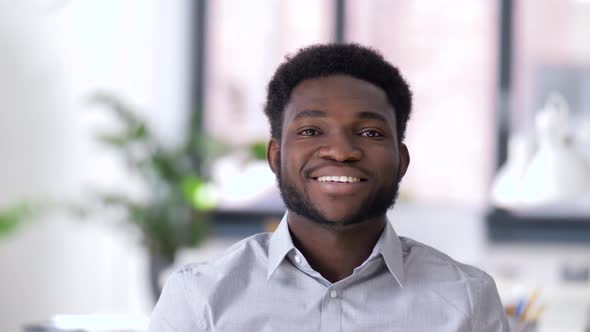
(297, 259)
(333, 294)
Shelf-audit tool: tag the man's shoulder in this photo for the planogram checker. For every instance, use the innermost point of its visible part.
(245, 256)
(468, 289)
(427, 264)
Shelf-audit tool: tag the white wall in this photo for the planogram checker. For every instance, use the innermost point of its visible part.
(53, 54)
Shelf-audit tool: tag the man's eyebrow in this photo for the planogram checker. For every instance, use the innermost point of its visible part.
(371, 116)
(310, 114)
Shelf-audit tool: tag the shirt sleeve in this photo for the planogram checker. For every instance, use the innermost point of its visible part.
(172, 312)
(489, 312)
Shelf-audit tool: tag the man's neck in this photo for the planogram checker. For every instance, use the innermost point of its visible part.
(335, 251)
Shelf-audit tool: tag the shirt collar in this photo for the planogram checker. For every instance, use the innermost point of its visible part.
(391, 249)
(388, 245)
(280, 244)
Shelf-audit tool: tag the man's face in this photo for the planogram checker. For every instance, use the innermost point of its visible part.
(339, 161)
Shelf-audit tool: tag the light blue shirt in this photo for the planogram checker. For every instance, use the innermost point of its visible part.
(264, 283)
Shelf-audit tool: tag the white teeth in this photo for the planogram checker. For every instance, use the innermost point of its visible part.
(338, 179)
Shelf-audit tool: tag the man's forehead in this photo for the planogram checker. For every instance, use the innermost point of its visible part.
(361, 115)
(320, 88)
(339, 88)
(338, 95)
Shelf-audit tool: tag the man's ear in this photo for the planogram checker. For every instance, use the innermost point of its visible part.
(273, 155)
(404, 158)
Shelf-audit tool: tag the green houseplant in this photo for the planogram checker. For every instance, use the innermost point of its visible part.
(178, 206)
(13, 216)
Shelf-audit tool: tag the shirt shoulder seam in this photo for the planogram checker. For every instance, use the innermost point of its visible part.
(479, 290)
(199, 323)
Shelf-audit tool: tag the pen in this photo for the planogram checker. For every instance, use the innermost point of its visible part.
(522, 325)
(537, 313)
(519, 308)
(529, 303)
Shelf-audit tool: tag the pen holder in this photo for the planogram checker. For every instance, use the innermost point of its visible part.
(517, 325)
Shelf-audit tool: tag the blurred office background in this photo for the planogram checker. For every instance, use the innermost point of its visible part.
(481, 72)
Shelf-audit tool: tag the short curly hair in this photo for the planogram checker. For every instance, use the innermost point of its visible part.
(323, 60)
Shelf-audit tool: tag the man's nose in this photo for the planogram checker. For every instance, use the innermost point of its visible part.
(340, 147)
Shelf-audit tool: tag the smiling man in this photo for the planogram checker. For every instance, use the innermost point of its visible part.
(338, 115)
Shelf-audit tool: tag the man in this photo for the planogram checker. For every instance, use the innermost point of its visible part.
(338, 115)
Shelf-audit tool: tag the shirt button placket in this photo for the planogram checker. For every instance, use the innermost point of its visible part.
(331, 311)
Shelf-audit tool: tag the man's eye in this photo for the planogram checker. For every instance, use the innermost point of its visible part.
(308, 132)
(371, 133)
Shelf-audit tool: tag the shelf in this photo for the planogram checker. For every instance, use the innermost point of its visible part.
(243, 223)
(507, 226)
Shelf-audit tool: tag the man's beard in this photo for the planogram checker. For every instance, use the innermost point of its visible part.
(372, 207)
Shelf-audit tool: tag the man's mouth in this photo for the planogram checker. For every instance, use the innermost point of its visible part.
(339, 179)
